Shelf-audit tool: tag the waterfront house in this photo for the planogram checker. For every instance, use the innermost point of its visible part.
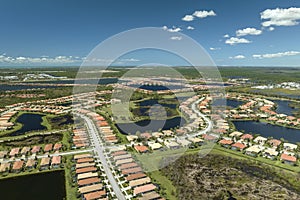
(18, 166)
(4, 167)
(45, 162)
(289, 146)
(236, 134)
(90, 188)
(274, 142)
(287, 159)
(30, 164)
(247, 137)
(87, 175)
(131, 138)
(55, 161)
(260, 140)
(95, 195)
(89, 181)
(86, 169)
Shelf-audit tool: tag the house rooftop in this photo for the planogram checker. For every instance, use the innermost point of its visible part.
(143, 189)
(287, 157)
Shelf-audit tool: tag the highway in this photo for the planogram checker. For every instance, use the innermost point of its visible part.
(99, 150)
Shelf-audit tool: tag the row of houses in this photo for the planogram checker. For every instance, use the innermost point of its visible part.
(27, 150)
(103, 126)
(80, 137)
(265, 109)
(138, 181)
(269, 148)
(90, 185)
(5, 120)
(17, 166)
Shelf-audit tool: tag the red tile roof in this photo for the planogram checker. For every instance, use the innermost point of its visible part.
(286, 157)
(247, 136)
(225, 142)
(239, 145)
(141, 148)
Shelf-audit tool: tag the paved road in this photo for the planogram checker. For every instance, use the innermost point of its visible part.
(205, 118)
(99, 149)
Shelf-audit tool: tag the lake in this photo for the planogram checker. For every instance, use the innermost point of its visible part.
(31, 122)
(7, 87)
(268, 130)
(155, 125)
(46, 186)
(283, 107)
(82, 81)
(157, 87)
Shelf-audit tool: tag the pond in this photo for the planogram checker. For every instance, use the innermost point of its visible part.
(268, 130)
(46, 186)
(229, 102)
(283, 107)
(30, 122)
(150, 125)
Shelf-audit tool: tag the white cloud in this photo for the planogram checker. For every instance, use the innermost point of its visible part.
(280, 17)
(176, 38)
(214, 48)
(174, 29)
(41, 60)
(226, 36)
(276, 55)
(248, 31)
(234, 40)
(271, 28)
(130, 60)
(188, 18)
(190, 28)
(204, 13)
(238, 57)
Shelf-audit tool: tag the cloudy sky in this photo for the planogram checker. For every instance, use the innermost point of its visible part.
(233, 32)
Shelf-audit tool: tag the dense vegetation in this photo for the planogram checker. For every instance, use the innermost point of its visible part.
(221, 177)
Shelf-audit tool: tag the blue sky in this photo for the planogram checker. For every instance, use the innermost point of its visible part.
(48, 33)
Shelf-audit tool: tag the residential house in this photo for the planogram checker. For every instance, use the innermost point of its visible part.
(287, 159)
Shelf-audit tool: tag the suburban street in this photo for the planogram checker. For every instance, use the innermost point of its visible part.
(99, 151)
